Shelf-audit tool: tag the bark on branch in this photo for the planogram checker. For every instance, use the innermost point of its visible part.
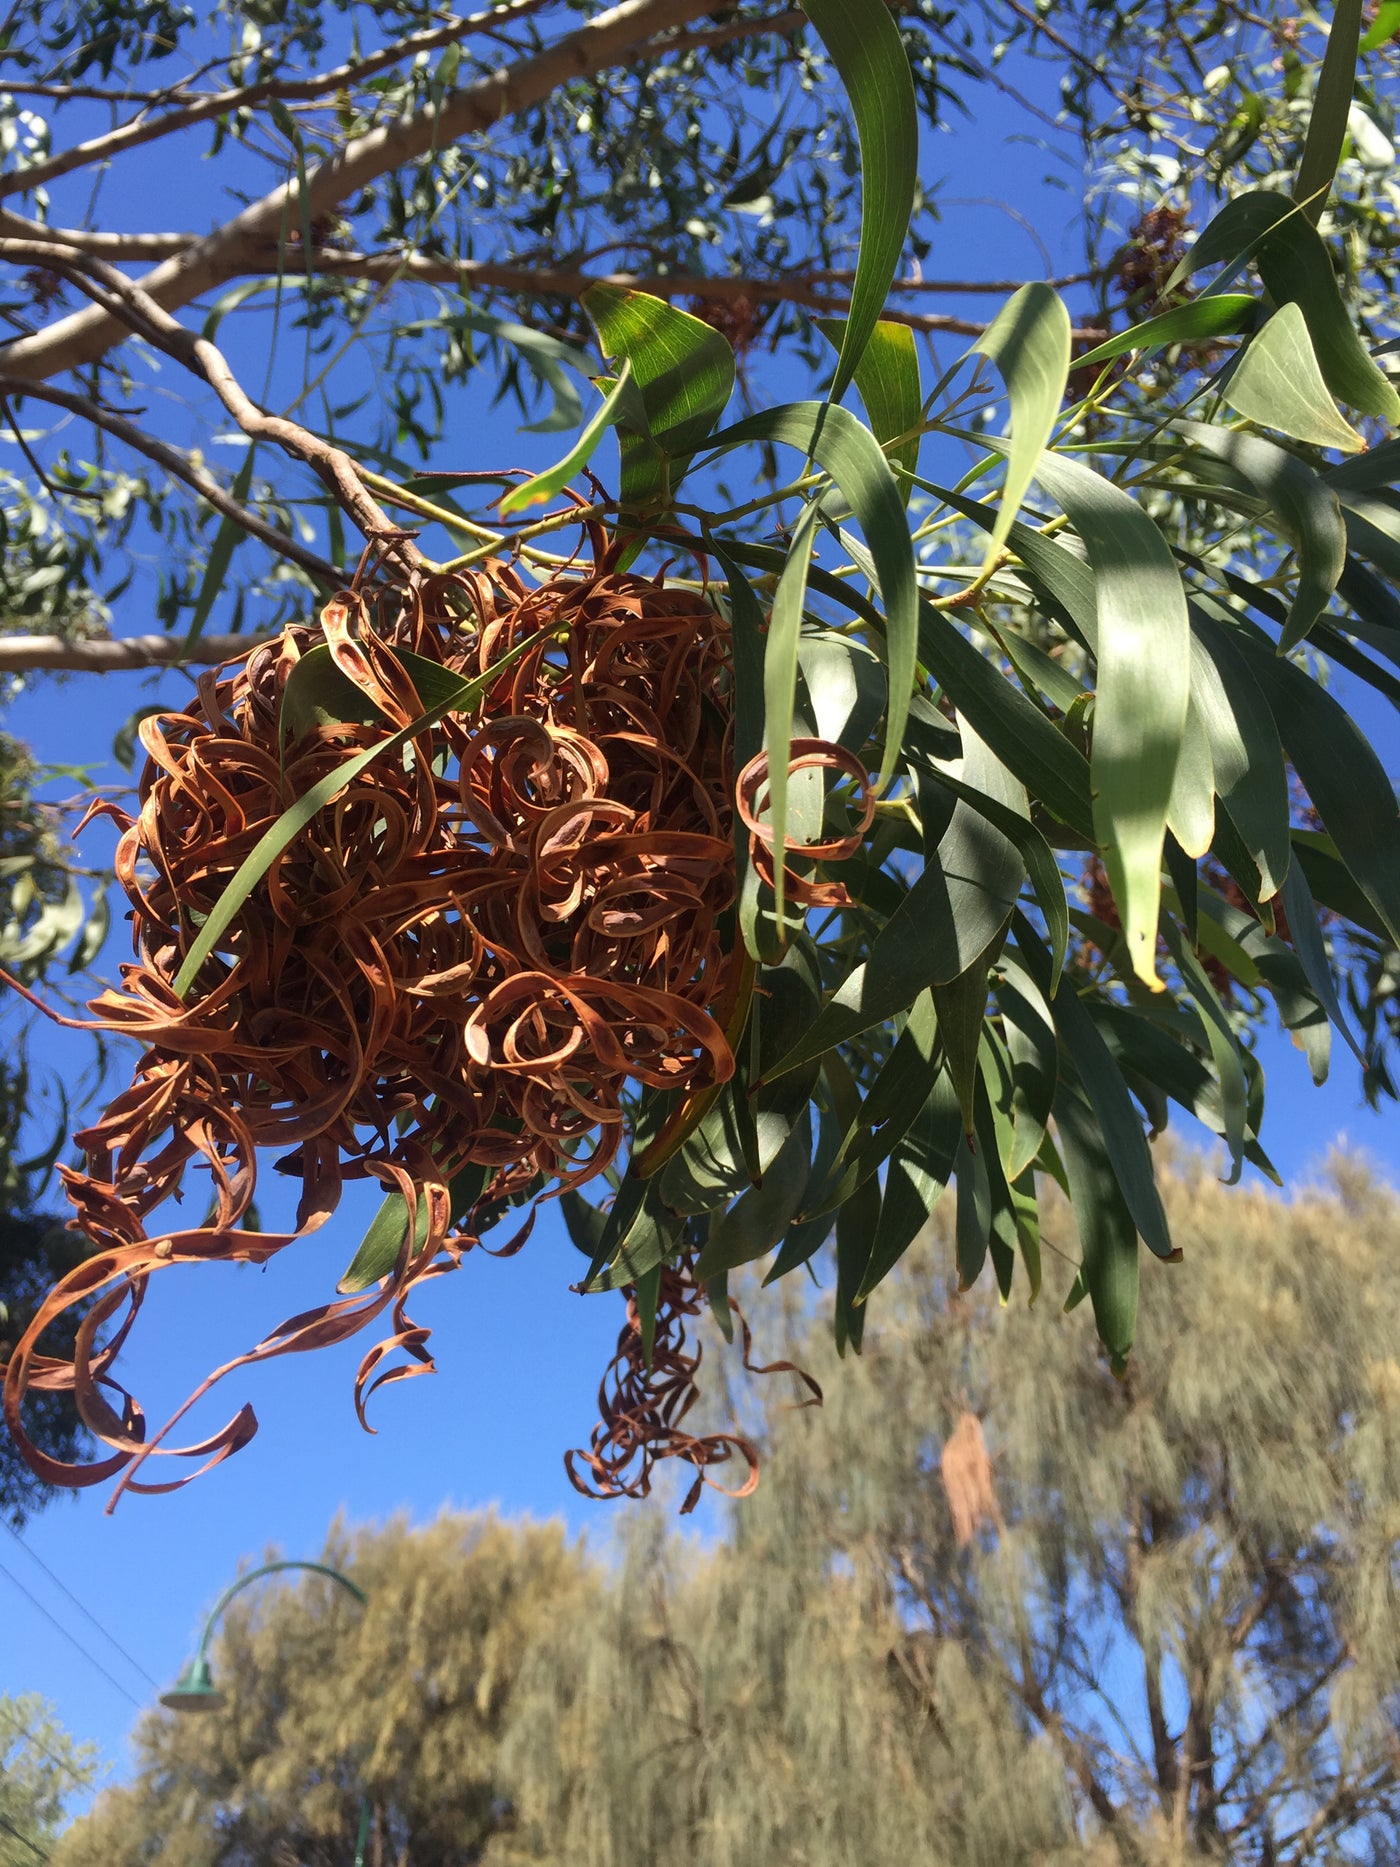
(24, 654)
(613, 37)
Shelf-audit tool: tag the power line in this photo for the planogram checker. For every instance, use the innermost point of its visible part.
(86, 1613)
(23, 1735)
(10, 1828)
(72, 1639)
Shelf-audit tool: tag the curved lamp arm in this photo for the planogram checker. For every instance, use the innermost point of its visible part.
(195, 1689)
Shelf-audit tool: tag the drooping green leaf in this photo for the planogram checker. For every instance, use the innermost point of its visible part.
(1107, 1092)
(543, 486)
(1219, 315)
(1331, 105)
(1029, 341)
(654, 1234)
(849, 452)
(317, 693)
(1305, 505)
(780, 687)
(1251, 780)
(684, 371)
(919, 1170)
(951, 915)
(1142, 692)
(1278, 383)
(1308, 944)
(1296, 268)
(856, 1225)
(462, 696)
(1221, 1039)
(1191, 810)
(863, 43)
(379, 1249)
(756, 1221)
(1107, 1235)
(229, 534)
(845, 685)
(887, 377)
(961, 1004)
(901, 1087)
(1383, 28)
(1344, 778)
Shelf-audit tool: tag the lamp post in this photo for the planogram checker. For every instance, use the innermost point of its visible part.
(195, 1690)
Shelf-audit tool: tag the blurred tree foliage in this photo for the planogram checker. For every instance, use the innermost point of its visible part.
(991, 1607)
(41, 1770)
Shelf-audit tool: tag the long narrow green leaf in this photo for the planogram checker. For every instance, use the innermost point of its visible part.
(228, 536)
(543, 486)
(1216, 315)
(887, 377)
(1029, 341)
(1296, 268)
(1331, 105)
(1305, 504)
(757, 1220)
(1279, 384)
(780, 687)
(1107, 1236)
(863, 43)
(684, 371)
(849, 452)
(1251, 779)
(1384, 27)
(1343, 776)
(919, 1170)
(463, 697)
(1142, 692)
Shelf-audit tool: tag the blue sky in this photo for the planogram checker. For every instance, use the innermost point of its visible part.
(520, 1357)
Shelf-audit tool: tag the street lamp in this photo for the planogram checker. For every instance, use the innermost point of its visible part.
(195, 1690)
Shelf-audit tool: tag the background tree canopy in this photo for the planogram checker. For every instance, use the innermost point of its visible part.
(827, 813)
(990, 1606)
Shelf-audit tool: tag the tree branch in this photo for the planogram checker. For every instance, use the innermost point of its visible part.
(613, 37)
(22, 654)
(180, 466)
(146, 129)
(116, 293)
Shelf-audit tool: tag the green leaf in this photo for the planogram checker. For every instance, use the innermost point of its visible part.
(229, 534)
(318, 693)
(1384, 27)
(849, 452)
(1278, 383)
(1029, 341)
(685, 373)
(887, 377)
(1142, 692)
(1343, 776)
(1029, 1035)
(780, 687)
(463, 697)
(1221, 314)
(901, 1086)
(845, 685)
(1331, 105)
(1296, 269)
(756, 1221)
(379, 1249)
(955, 909)
(543, 486)
(1055, 772)
(1191, 811)
(1107, 1237)
(1108, 1096)
(1308, 944)
(1251, 779)
(961, 1004)
(863, 43)
(1305, 505)
(653, 1234)
(1221, 1040)
(856, 1225)
(920, 1168)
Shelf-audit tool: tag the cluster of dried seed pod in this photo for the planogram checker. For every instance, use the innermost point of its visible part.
(467, 960)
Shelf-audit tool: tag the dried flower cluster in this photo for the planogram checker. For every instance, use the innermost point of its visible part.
(465, 960)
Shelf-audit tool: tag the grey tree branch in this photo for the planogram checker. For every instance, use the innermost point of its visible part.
(617, 35)
(24, 654)
(177, 464)
(117, 294)
(146, 129)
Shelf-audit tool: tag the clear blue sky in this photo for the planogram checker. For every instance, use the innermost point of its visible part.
(519, 1356)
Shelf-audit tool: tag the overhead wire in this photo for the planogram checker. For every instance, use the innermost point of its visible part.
(72, 1639)
(86, 1612)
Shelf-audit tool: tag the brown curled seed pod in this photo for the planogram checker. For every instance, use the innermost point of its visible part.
(466, 959)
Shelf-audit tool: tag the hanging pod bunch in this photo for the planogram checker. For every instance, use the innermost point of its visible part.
(454, 973)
